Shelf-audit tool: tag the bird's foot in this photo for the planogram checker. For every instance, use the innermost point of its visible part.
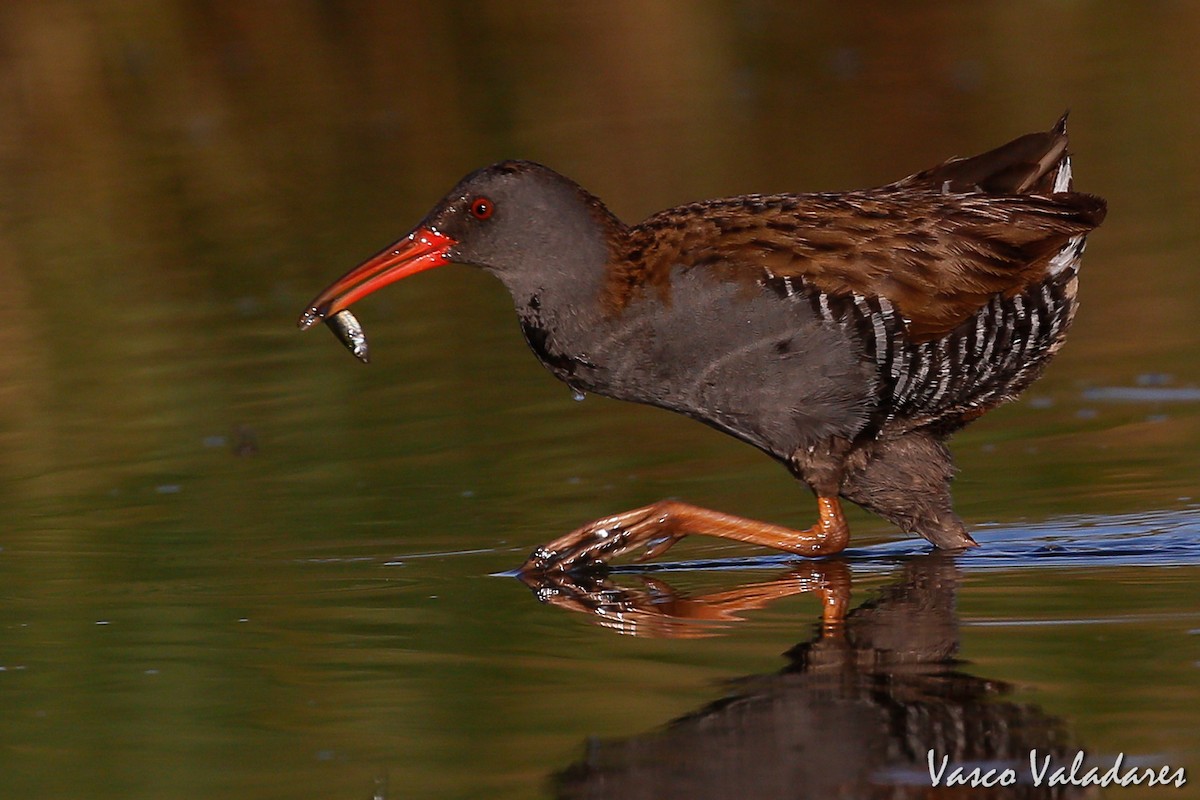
(655, 528)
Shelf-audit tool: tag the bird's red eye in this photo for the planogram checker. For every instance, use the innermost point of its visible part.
(482, 208)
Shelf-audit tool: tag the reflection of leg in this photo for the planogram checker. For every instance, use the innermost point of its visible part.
(659, 609)
(831, 583)
(658, 526)
(834, 591)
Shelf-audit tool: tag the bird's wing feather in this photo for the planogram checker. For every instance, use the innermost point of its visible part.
(938, 253)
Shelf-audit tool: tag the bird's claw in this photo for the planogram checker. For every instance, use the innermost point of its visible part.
(592, 546)
(546, 561)
(657, 546)
(587, 556)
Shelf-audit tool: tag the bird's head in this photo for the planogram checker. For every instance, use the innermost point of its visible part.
(519, 220)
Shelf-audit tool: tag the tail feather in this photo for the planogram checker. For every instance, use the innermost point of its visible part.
(1036, 163)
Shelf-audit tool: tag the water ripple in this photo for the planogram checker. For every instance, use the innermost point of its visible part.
(1158, 539)
(1143, 394)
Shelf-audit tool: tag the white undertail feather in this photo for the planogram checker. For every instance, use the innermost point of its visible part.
(1062, 180)
(1069, 256)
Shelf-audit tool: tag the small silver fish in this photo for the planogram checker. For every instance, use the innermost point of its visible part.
(348, 330)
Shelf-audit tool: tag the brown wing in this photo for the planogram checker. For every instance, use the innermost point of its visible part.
(938, 255)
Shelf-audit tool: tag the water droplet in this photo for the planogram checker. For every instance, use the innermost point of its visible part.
(578, 396)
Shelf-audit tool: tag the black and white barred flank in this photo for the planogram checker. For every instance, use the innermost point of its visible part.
(987, 359)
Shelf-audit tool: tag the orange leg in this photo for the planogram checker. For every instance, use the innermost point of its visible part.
(658, 526)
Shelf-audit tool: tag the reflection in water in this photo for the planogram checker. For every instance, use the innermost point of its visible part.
(854, 714)
(658, 609)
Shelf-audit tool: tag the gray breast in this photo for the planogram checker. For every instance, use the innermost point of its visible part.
(737, 357)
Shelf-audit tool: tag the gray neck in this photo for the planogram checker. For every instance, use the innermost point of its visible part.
(561, 311)
(562, 284)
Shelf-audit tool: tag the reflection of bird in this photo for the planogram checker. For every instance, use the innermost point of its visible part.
(853, 714)
(846, 335)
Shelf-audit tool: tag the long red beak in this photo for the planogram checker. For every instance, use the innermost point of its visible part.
(422, 249)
